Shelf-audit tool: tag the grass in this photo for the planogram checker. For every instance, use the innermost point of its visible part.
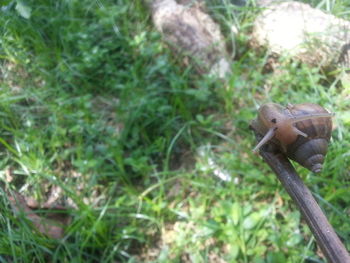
(92, 101)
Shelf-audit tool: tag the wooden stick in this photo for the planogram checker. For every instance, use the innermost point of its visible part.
(326, 238)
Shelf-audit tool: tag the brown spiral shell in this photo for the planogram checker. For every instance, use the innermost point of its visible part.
(302, 131)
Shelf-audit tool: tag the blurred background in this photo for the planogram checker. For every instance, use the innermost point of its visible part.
(151, 161)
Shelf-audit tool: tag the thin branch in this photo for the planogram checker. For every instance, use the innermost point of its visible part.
(326, 238)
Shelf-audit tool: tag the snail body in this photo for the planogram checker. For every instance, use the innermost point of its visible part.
(302, 131)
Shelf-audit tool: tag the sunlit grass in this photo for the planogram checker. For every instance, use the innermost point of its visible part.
(154, 161)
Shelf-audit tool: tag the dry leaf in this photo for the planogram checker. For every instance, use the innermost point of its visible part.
(52, 225)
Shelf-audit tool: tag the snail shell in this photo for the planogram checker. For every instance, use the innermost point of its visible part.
(302, 131)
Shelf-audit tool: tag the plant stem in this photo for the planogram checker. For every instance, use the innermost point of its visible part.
(326, 238)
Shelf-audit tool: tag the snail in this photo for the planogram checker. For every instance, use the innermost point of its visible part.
(302, 131)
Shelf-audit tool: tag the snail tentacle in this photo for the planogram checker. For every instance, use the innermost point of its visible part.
(310, 116)
(268, 136)
(299, 132)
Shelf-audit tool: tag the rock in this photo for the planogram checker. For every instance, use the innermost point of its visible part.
(193, 34)
(302, 32)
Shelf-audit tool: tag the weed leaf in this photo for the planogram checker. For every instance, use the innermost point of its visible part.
(24, 10)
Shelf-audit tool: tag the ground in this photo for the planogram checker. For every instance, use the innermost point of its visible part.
(150, 161)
